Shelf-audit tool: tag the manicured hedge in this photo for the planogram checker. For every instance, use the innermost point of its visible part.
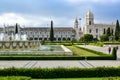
(112, 43)
(61, 72)
(41, 58)
(114, 53)
(100, 58)
(57, 58)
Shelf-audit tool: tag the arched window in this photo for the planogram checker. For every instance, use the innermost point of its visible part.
(89, 22)
(96, 30)
(90, 31)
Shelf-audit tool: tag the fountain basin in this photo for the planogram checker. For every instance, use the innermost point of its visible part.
(46, 50)
(10, 45)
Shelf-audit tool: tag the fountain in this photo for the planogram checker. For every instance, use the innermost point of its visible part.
(14, 40)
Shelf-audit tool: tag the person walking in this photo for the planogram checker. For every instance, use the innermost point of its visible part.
(109, 50)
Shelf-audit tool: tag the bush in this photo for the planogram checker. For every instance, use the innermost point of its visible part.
(100, 58)
(114, 53)
(41, 58)
(61, 72)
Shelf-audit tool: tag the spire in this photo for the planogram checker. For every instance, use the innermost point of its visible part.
(76, 20)
(76, 23)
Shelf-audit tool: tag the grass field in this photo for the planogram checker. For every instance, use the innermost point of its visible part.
(81, 52)
(110, 78)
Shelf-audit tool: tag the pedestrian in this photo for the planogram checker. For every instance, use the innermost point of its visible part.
(109, 50)
(116, 48)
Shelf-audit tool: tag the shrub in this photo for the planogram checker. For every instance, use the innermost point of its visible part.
(42, 58)
(100, 58)
(61, 72)
(114, 53)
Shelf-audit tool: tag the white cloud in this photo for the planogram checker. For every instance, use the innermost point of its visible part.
(11, 18)
(32, 20)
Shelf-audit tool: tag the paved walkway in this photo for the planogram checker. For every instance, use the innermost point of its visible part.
(57, 63)
(103, 49)
(65, 63)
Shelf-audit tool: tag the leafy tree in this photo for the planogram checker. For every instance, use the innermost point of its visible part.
(51, 32)
(104, 31)
(117, 31)
(112, 32)
(73, 41)
(95, 39)
(104, 37)
(112, 38)
(82, 39)
(87, 38)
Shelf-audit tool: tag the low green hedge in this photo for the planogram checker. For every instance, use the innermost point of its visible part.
(61, 72)
(57, 58)
(41, 58)
(100, 58)
(111, 43)
(114, 53)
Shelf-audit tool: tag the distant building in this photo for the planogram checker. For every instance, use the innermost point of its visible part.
(43, 33)
(63, 33)
(95, 29)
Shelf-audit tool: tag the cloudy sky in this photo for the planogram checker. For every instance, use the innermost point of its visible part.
(62, 12)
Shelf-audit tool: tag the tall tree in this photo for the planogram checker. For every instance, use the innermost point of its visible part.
(112, 32)
(88, 38)
(51, 32)
(117, 31)
(104, 31)
(108, 33)
(16, 28)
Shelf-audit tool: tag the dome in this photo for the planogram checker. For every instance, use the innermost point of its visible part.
(89, 14)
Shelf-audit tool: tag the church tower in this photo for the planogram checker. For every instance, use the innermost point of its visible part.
(89, 18)
(76, 24)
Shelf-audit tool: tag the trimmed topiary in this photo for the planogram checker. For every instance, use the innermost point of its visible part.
(114, 53)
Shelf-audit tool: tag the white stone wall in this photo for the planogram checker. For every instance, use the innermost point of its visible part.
(46, 34)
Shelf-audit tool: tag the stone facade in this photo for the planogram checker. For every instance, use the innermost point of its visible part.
(63, 33)
(95, 29)
(43, 33)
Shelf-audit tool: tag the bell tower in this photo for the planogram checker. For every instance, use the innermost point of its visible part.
(89, 18)
(76, 24)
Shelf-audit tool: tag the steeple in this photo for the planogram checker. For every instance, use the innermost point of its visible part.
(89, 18)
(76, 24)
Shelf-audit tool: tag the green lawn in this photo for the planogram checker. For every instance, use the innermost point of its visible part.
(15, 78)
(81, 52)
(82, 79)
